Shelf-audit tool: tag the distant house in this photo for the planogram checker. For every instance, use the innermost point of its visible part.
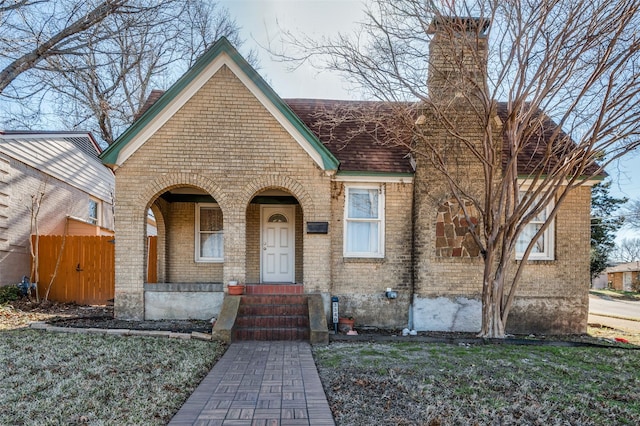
(246, 186)
(63, 169)
(600, 282)
(625, 276)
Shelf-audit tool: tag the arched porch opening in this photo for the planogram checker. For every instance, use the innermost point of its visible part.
(189, 227)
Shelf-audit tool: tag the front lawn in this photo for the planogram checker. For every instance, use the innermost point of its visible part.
(54, 379)
(436, 384)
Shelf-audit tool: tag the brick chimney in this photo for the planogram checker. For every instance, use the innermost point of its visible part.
(442, 244)
(457, 56)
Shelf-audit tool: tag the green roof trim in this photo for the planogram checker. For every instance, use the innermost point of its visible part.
(110, 155)
(373, 174)
(596, 177)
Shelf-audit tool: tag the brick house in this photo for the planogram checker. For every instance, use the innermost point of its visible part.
(245, 187)
(624, 276)
(77, 188)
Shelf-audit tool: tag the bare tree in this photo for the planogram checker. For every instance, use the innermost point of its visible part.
(627, 251)
(102, 77)
(35, 30)
(34, 237)
(632, 214)
(565, 75)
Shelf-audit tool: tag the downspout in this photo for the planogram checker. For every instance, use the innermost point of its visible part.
(413, 254)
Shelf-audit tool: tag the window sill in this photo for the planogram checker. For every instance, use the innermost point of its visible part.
(539, 261)
(356, 259)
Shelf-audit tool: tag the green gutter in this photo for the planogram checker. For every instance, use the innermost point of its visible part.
(542, 177)
(373, 174)
(110, 155)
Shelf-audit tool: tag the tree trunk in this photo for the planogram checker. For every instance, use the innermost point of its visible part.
(492, 294)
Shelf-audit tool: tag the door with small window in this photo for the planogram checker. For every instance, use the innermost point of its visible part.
(278, 244)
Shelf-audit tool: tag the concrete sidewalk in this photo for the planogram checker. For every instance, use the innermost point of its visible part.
(628, 325)
(614, 313)
(259, 383)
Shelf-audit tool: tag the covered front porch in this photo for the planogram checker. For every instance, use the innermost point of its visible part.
(203, 246)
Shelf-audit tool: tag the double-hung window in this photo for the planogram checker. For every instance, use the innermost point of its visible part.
(209, 233)
(364, 221)
(543, 247)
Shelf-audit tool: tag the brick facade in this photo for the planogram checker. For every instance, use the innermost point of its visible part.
(552, 296)
(360, 283)
(225, 142)
(222, 141)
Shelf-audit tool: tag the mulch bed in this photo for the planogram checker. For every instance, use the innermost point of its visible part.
(73, 315)
(176, 326)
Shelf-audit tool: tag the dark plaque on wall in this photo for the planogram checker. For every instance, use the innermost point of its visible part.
(317, 227)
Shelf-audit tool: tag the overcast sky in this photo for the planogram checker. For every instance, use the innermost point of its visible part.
(262, 20)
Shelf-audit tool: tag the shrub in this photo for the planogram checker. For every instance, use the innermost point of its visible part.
(9, 293)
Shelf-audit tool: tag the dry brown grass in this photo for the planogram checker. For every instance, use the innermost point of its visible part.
(438, 384)
(54, 379)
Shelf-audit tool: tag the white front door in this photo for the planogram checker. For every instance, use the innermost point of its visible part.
(278, 244)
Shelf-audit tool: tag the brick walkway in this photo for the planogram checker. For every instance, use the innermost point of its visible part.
(259, 383)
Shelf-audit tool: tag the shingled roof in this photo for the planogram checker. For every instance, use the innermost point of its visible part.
(356, 144)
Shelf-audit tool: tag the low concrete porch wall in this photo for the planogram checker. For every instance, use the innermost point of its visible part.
(181, 301)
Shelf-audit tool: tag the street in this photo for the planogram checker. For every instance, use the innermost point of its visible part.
(620, 314)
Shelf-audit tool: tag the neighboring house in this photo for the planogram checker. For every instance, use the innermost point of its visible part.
(76, 191)
(244, 186)
(600, 282)
(625, 276)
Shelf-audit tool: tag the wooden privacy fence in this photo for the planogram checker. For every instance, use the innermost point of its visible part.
(86, 273)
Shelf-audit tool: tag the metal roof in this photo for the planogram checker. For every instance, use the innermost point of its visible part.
(59, 156)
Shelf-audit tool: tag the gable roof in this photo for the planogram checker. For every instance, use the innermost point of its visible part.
(356, 143)
(624, 267)
(340, 126)
(83, 140)
(220, 54)
(335, 133)
(534, 152)
(70, 157)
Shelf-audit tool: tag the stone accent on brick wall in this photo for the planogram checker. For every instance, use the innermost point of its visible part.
(453, 237)
(224, 141)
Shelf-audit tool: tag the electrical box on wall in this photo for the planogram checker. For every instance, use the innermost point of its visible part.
(317, 227)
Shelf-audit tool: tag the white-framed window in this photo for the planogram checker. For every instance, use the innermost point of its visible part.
(364, 221)
(209, 233)
(94, 211)
(543, 249)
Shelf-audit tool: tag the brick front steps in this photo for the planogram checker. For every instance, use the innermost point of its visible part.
(274, 289)
(272, 317)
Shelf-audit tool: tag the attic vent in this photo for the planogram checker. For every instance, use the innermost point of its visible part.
(84, 144)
